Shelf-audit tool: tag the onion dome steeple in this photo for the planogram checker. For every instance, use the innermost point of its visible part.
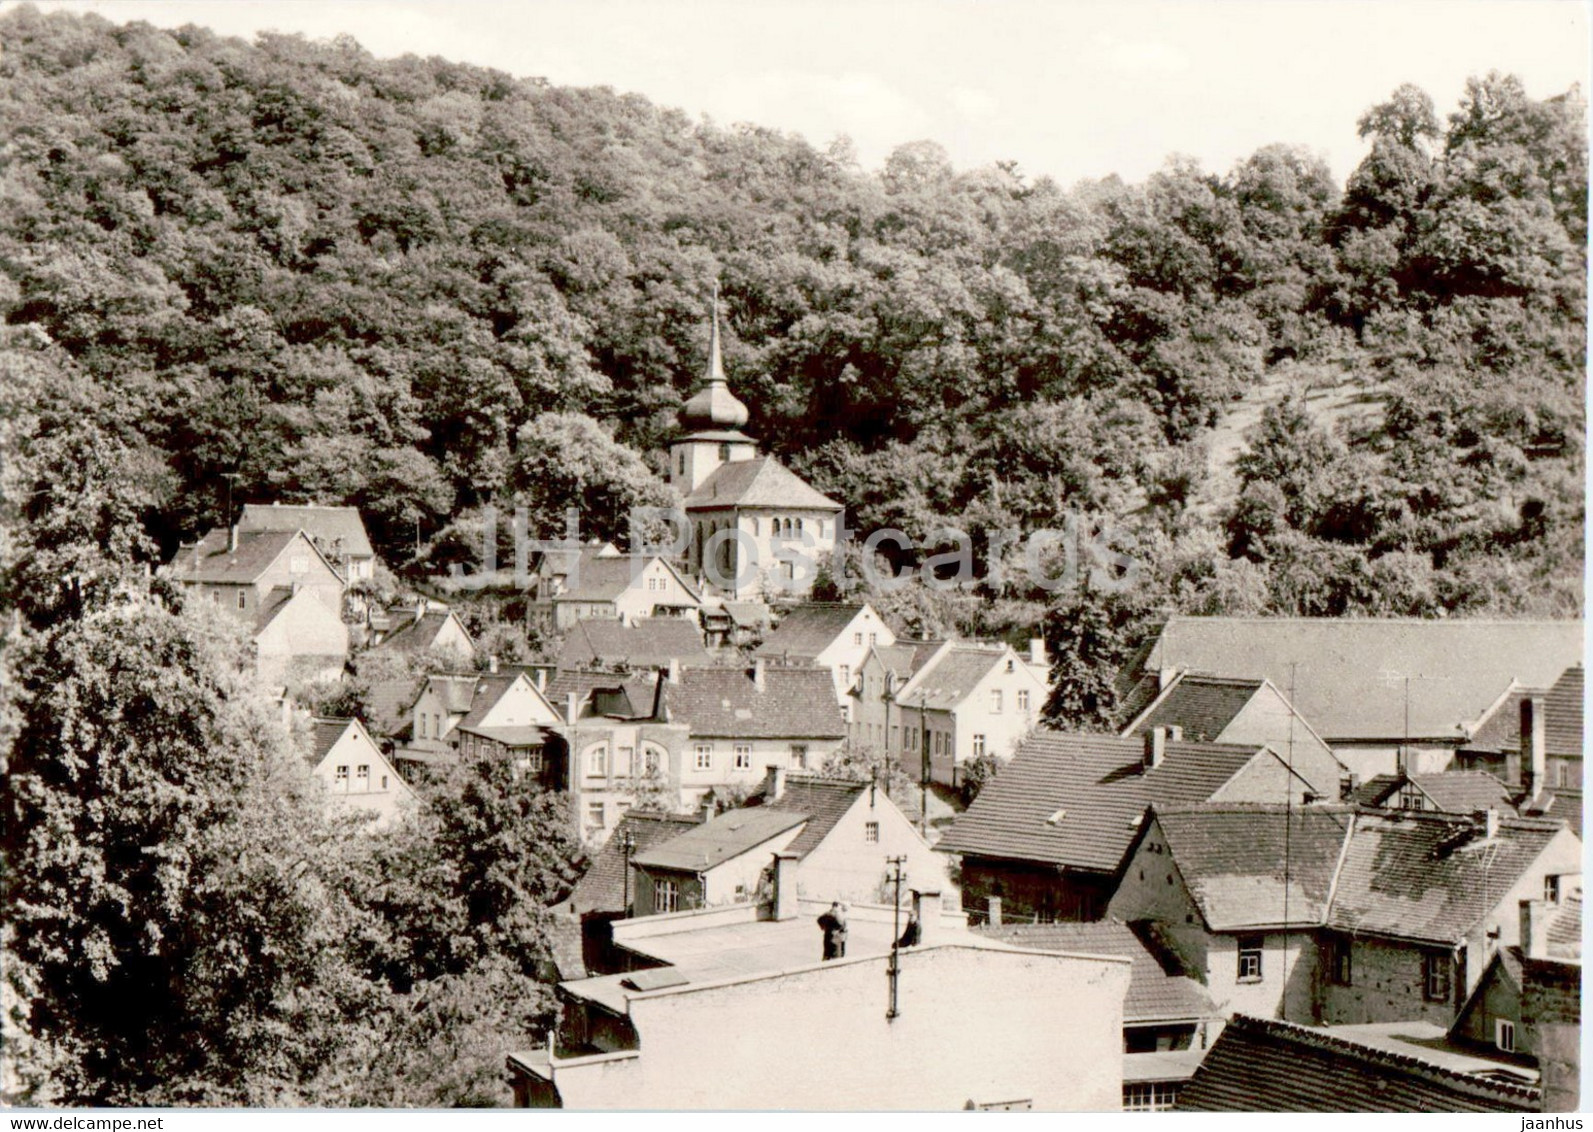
(713, 408)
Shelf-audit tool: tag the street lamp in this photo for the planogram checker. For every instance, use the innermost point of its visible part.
(628, 846)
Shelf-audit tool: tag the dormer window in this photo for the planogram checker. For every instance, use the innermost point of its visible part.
(1056, 817)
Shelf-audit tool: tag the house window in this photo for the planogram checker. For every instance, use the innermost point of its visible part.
(362, 776)
(215, 597)
(978, 746)
(871, 832)
(341, 776)
(724, 453)
(743, 756)
(384, 782)
(650, 759)
(857, 638)
(1150, 1096)
(846, 675)
(1249, 959)
(995, 700)
(872, 638)
(1504, 1035)
(1551, 889)
(1410, 798)
(705, 757)
(1435, 976)
(1562, 776)
(799, 756)
(243, 599)
(597, 761)
(1023, 699)
(1337, 961)
(666, 896)
(594, 815)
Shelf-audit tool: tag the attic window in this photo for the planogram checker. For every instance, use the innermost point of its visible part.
(1056, 818)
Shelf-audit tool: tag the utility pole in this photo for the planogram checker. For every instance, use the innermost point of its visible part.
(628, 844)
(895, 968)
(923, 760)
(229, 477)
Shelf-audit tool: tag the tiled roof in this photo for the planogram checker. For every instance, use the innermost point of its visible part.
(824, 800)
(1074, 800)
(324, 736)
(950, 678)
(1258, 1065)
(906, 657)
(457, 692)
(808, 630)
(558, 563)
(271, 606)
(387, 702)
(1560, 805)
(794, 703)
(1450, 791)
(1564, 928)
(1349, 675)
(1562, 719)
(1253, 866)
(762, 482)
(211, 561)
(605, 578)
(1428, 876)
(748, 614)
(650, 643)
(632, 696)
(715, 842)
(1159, 989)
(1203, 706)
(567, 947)
(333, 529)
(602, 888)
(488, 690)
(415, 634)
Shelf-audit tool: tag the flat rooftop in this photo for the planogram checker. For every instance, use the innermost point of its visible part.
(1430, 1043)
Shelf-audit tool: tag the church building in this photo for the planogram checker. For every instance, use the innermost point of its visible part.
(757, 529)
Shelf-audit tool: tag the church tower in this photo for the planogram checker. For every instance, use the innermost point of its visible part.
(710, 424)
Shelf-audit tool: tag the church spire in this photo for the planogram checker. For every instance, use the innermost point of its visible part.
(713, 408)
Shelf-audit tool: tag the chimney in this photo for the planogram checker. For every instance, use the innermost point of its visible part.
(1534, 776)
(1155, 747)
(232, 539)
(773, 783)
(785, 886)
(542, 679)
(572, 705)
(995, 911)
(1036, 650)
(707, 809)
(1534, 936)
(757, 673)
(926, 904)
(492, 664)
(1490, 823)
(674, 670)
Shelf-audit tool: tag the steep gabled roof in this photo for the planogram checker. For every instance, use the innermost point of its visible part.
(1563, 929)
(1449, 792)
(418, 634)
(1349, 675)
(729, 835)
(333, 529)
(809, 629)
(760, 482)
(650, 643)
(457, 691)
(387, 703)
(1430, 877)
(905, 657)
(1254, 866)
(946, 681)
(324, 734)
(794, 703)
(1562, 719)
(211, 561)
(1068, 799)
(605, 578)
(825, 801)
(1259, 1065)
(1159, 988)
(602, 887)
(1203, 706)
(488, 690)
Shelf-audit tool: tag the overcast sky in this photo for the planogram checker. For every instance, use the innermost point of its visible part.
(1068, 89)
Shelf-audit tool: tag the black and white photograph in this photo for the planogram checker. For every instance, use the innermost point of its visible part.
(791, 557)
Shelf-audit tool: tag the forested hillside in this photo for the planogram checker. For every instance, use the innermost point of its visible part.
(333, 277)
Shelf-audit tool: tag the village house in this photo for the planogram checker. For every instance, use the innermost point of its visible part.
(649, 642)
(1262, 1065)
(554, 568)
(1532, 741)
(337, 532)
(1338, 915)
(872, 688)
(840, 834)
(1168, 1018)
(744, 720)
(965, 702)
(759, 528)
(1050, 834)
(626, 589)
(623, 746)
(735, 624)
(422, 628)
(1002, 1028)
(831, 635)
(1385, 694)
(283, 589)
(1225, 709)
(355, 773)
(1447, 792)
(1494, 1017)
(510, 719)
(442, 701)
